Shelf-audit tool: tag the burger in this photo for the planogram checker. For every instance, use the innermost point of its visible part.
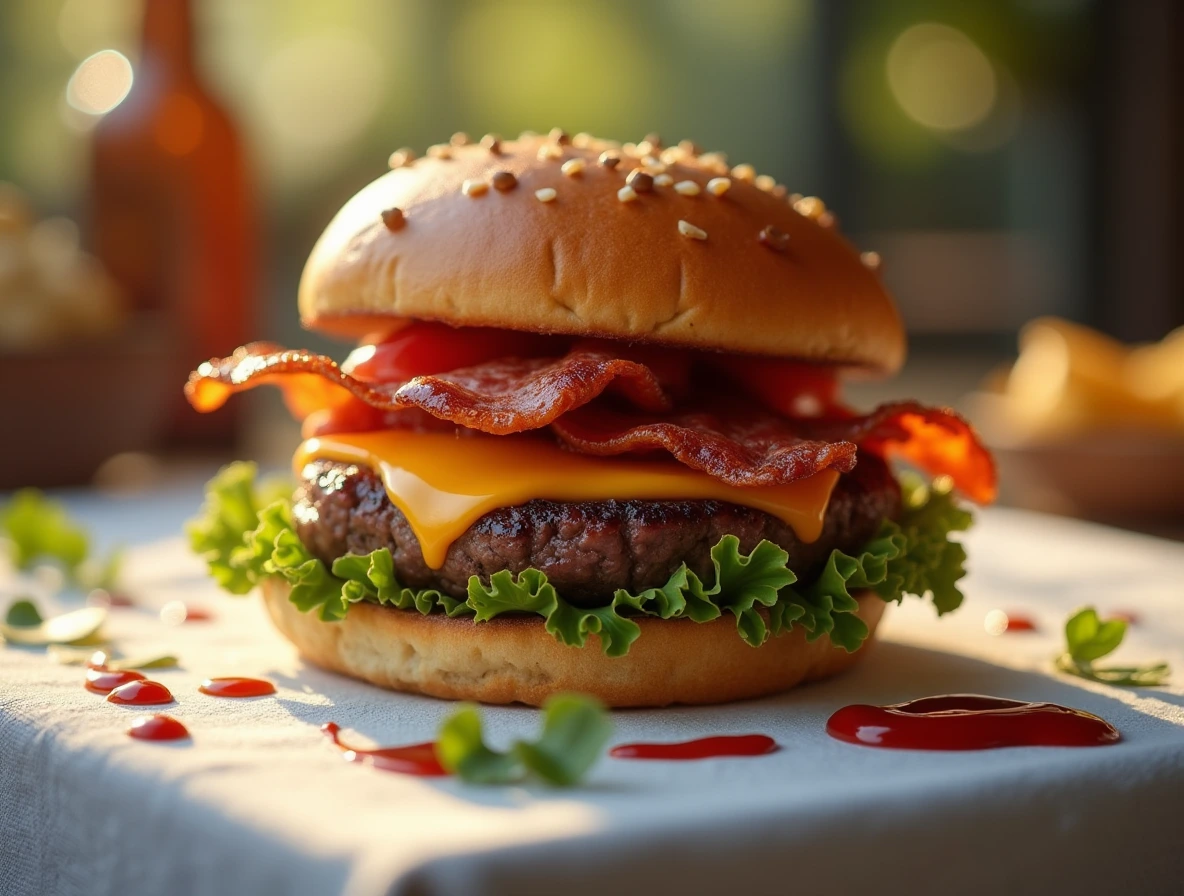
(591, 437)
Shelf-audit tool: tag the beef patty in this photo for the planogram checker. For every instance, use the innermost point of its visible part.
(587, 549)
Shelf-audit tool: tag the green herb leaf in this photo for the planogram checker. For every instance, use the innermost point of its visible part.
(23, 613)
(244, 539)
(575, 730)
(461, 749)
(38, 528)
(104, 574)
(78, 627)
(1089, 638)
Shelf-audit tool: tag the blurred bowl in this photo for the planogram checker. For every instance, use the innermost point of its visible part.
(65, 412)
(1128, 478)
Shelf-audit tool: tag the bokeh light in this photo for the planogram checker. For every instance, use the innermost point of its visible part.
(100, 82)
(941, 78)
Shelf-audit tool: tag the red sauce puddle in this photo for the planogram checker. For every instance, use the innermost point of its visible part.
(1017, 623)
(413, 759)
(157, 727)
(969, 722)
(704, 748)
(236, 687)
(104, 681)
(197, 614)
(140, 693)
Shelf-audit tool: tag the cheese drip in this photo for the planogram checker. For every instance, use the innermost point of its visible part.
(444, 484)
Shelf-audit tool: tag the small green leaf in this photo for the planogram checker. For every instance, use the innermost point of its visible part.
(1089, 638)
(77, 627)
(23, 613)
(575, 730)
(461, 749)
(37, 527)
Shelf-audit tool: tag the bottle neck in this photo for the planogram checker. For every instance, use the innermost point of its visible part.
(167, 37)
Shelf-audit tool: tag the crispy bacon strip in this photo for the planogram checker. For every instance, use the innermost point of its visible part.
(748, 446)
(499, 397)
(740, 444)
(722, 434)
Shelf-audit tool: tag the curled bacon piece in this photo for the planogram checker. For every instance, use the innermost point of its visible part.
(747, 446)
(597, 402)
(499, 397)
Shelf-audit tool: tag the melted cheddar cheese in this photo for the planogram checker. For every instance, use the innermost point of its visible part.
(443, 484)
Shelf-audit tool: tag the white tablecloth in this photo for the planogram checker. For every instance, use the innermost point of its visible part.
(259, 803)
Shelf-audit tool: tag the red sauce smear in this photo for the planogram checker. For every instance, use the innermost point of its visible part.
(112, 600)
(157, 727)
(413, 759)
(140, 693)
(969, 722)
(1128, 616)
(236, 687)
(703, 748)
(1018, 623)
(103, 681)
(197, 614)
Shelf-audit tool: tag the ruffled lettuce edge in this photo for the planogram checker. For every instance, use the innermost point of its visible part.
(245, 534)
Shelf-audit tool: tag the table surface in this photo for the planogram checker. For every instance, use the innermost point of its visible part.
(259, 803)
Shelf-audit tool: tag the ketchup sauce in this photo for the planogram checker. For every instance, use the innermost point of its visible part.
(703, 748)
(236, 687)
(969, 722)
(100, 680)
(157, 727)
(998, 622)
(141, 692)
(413, 759)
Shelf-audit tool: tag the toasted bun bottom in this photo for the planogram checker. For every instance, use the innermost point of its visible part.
(515, 660)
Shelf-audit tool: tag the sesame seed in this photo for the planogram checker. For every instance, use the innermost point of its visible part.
(807, 405)
(460, 138)
(626, 194)
(717, 186)
(774, 238)
(582, 140)
(672, 156)
(779, 191)
(550, 151)
(687, 229)
(440, 151)
(559, 135)
(686, 188)
(811, 207)
(572, 167)
(827, 219)
(793, 198)
(871, 260)
(653, 165)
(546, 194)
(653, 140)
(492, 143)
(526, 135)
(609, 160)
(744, 172)
(474, 188)
(765, 183)
(630, 149)
(393, 218)
(714, 161)
(503, 181)
(663, 180)
(401, 157)
(689, 147)
(640, 181)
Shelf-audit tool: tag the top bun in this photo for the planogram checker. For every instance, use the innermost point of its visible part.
(555, 250)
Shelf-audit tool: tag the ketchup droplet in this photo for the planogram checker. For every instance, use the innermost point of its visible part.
(236, 687)
(413, 759)
(157, 727)
(703, 748)
(140, 693)
(104, 681)
(969, 722)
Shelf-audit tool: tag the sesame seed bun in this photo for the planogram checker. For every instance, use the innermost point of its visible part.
(584, 248)
(514, 660)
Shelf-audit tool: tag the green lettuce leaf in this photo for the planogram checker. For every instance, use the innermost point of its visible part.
(38, 528)
(244, 539)
(575, 730)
